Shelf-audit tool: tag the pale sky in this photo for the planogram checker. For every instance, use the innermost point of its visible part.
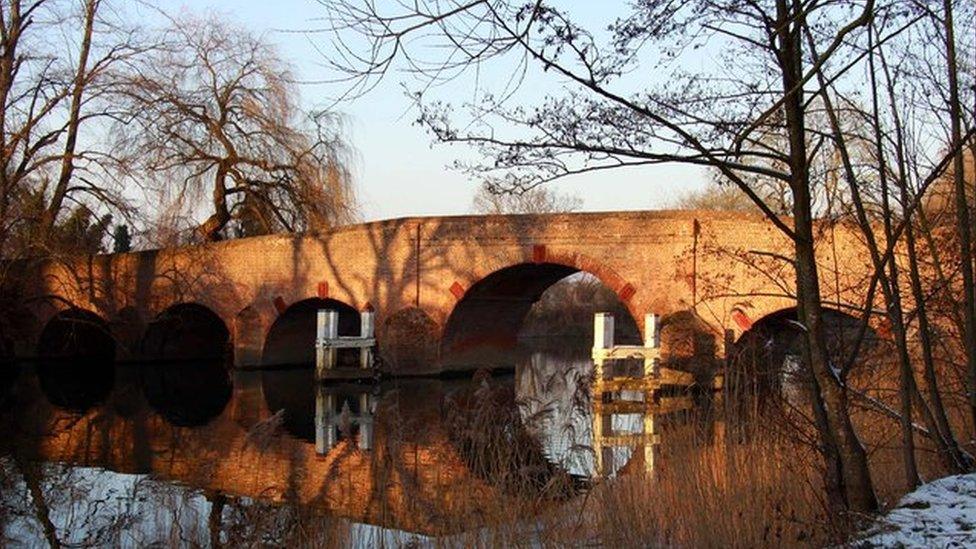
(399, 171)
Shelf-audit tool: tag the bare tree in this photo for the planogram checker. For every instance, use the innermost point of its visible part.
(906, 129)
(715, 197)
(215, 111)
(26, 97)
(56, 63)
(77, 89)
(537, 200)
(752, 124)
(962, 209)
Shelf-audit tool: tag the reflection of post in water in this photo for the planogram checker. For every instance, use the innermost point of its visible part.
(631, 398)
(608, 403)
(338, 412)
(628, 393)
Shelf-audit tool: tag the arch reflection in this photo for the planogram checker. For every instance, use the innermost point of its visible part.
(499, 445)
(322, 414)
(9, 372)
(291, 393)
(76, 385)
(187, 394)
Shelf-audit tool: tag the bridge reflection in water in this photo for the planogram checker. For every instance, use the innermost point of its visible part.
(398, 456)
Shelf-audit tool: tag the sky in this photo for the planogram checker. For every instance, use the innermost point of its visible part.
(398, 170)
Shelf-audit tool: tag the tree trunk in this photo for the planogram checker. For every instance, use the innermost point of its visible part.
(887, 272)
(210, 229)
(906, 384)
(925, 339)
(215, 521)
(33, 478)
(892, 293)
(933, 412)
(8, 56)
(851, 458)
(50, 214)
(856, 481)
(962, 210)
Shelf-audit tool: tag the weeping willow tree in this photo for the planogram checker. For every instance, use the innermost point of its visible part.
(215, 113)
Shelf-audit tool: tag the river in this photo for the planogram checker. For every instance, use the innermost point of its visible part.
(193, 453)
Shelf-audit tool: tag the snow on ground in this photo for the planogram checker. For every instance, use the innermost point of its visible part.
(941, 513)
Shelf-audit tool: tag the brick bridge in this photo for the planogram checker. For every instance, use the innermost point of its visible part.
(446, 290)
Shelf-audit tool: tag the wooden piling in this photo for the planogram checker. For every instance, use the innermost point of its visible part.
(652, 340)
(328, 415)
(365, 421)
(367, 331)
(615, 396)
(325, 421)
(328, 342)
(602, 339)
(326, 331)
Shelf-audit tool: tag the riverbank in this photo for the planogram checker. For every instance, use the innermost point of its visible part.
(941, 513)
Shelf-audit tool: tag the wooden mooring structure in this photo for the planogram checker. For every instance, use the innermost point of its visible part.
(615, 393)
(623, 394)
(328, 342)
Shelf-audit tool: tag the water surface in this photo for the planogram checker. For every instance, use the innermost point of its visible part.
(192, 453)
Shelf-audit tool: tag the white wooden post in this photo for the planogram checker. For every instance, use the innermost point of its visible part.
(326, 331)
(367, 329)
(650, 441)
(325, 435)
(602, 331)
(652, 339)
(365, 422)
(602, 339)
(602, 452)
(320, 350)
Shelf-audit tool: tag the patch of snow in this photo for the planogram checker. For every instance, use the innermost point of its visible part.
(835, 371)
(941, 513)
(798, 324)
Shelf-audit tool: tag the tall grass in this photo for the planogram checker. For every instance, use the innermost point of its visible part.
(762, 492)
(725, 476)
(710, 488)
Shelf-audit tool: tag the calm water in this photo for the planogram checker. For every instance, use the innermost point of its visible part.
(191, 454)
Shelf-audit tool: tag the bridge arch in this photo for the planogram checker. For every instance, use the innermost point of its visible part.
(488, 316)
(768, 355)
(78, 334)
(77, 352)
(290, 340)
(186, 331)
